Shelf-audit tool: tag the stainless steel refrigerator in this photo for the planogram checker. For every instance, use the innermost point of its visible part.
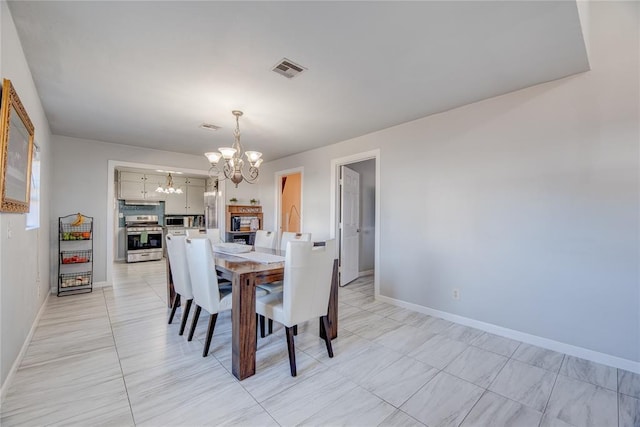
(211, 203)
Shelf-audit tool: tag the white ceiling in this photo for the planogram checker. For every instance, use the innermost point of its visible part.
(149, 73)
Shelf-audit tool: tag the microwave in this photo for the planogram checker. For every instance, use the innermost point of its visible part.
(174, 221)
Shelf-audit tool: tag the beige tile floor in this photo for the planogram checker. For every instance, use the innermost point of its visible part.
(109, 358)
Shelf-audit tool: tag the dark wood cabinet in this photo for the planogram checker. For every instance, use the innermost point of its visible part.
(242, 222)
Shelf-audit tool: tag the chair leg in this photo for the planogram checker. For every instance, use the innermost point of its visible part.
(212, 325)
(327, 339)
(295, 330)
(174, 306)
(270, 326)
(194, 322)
(261, 320)
(292, 350)
(185, 314)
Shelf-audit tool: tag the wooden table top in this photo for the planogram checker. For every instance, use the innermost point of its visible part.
(228, 264)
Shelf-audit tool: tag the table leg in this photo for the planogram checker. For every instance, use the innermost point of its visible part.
(332, 309)
(243, 326)
(171, 292)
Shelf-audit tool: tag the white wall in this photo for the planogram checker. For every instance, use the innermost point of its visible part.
(367, 171)
(80, 181)
(24, 266)
(528, 203)
(244, 192)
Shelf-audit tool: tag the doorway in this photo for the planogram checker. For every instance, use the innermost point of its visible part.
(289, 201)
(355, 215)
(114, 225)
(291, 186)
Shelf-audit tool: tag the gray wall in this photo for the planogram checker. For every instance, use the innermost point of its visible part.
(527, 203)
(80, 177)
(24, 266)
(367, 171)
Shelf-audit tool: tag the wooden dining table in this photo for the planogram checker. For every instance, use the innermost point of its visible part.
(244, 275)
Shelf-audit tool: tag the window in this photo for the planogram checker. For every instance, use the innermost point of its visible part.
(33, 216)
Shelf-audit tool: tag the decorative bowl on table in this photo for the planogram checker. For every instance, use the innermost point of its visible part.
(232, 248)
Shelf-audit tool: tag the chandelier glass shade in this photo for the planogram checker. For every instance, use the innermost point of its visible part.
(228, 160)
(169, 189)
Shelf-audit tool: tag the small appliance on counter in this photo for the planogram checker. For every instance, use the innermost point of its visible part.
(189, 221)
(174, 221)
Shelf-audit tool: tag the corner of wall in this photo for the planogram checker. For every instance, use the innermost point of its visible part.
(584, 15)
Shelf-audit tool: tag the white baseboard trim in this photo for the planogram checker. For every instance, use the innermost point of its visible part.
(572, 350)
(101, 285)
(96, 285)
(14, 368)
(365, 273)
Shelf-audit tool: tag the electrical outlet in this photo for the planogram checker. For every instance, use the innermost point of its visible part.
(456, 294)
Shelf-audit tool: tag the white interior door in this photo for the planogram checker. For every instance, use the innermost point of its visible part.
(349, 224)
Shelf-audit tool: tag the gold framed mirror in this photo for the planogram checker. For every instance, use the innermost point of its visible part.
(16, 143)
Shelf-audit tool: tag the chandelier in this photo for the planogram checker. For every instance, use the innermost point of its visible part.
(232, 163)
(169, 189)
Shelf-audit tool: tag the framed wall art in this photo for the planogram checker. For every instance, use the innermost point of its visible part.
(16, 146)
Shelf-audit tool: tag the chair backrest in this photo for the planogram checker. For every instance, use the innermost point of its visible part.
(308, 270)
(265, 239)
(288, 236)
(213, 234)
(176, 251)
(193, 232)
(202, 270)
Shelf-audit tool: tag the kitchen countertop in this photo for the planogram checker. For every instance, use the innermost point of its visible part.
(180, 230)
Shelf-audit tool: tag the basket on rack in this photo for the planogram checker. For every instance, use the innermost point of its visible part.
(75, 257)
(72, 280)
(75, 254)
(75, 232)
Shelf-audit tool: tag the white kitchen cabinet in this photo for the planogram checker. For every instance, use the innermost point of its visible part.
(195, 196)
(131, 190)
(190, 202)
(139, 186)
(151, 182)
(131, 176)
(176, 204)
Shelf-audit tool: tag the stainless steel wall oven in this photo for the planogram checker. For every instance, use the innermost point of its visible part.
(144, 238)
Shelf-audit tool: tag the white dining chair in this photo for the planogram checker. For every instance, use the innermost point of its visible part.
(176, 251)
(308, 270)
(274, 287)
(265, 239)
(213, 234)
(193, 232)
(204, 279)
(288, 236)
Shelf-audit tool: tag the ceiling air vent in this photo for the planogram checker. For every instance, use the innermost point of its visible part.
(209, 126)
(288, 68)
